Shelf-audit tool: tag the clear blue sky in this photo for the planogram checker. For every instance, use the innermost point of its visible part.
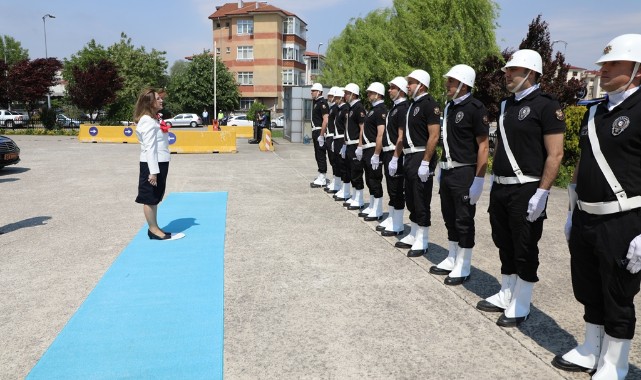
(181, 28)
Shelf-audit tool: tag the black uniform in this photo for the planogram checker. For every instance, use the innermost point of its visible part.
(421, 112)
(395, 184)
(374, 178)
(466, 121)
(355, 118)
(526, 122)
(599, 243)
(320, 109)
(340, 122)
(329, 138)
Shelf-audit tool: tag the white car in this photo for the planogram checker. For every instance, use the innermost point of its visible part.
(185, 120)
(240, 121)
(279, 122)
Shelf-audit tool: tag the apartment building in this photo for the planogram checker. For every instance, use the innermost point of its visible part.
(263, 46)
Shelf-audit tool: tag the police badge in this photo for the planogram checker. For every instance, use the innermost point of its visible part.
(619, 125)
(459, 117)
(523, 112)
(437, 111)
(416, 110)
(559, 114)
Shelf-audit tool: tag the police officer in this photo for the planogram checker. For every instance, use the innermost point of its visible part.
(527, 159)
(354, 143)
(392, 158)
(336, 183)
(420, 137)
(604, 222)
(340, 122)
(372, 148)
(463, 163)
(320, 113)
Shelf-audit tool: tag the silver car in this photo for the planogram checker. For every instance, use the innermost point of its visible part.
(185, 120)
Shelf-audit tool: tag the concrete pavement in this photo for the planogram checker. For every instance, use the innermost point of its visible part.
(311, 290)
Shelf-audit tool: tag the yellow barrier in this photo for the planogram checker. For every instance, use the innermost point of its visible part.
(240, 131)
(179, 141)
(266, 143)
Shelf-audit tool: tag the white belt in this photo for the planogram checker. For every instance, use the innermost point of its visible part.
(351, 142)
(413, 150)
(339, 136)
(389, 148)
(329, 135)
(452, 164)
(514, 180)
(605, 208)
(369, 145)
(316, 128)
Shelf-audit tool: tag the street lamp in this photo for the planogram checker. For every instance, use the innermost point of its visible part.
(318, 59)
(44, 23)
(565, 44)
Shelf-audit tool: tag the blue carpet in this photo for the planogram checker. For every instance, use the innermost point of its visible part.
(157, 313)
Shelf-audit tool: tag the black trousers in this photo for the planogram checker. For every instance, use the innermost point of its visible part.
(515, 237)
(339, 162)
(355, 167)
(457, 211)
(418, 194)
(373, 178)
(598, 246)
(395, 184)
(331, 156)
(319, 153)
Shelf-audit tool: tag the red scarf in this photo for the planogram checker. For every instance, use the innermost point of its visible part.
(164, 127)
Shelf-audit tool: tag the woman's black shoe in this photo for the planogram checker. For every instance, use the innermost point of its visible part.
(153, 236)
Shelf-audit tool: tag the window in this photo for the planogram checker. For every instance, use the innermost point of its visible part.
(293, 77)
(288, 25)
(292, 52)
(293, 25)
(228, 50)
(245, 27)
(245, 53)
(245, 103)
(246, 78)
(217, 51)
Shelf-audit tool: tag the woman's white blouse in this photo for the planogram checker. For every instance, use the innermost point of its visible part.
(154, 144)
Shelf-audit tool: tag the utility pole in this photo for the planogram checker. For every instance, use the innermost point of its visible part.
(44, 22)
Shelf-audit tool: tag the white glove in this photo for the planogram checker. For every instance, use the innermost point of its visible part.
(572, 196)
(359, 153)
(375, 161)
(634, 255)
(393, 166)
(491, 181)
(331, 147)
(568, 226)
(424, 171)
(438, 173)
(321, 140)
(476, 189)
(536, 205)
(343, 150)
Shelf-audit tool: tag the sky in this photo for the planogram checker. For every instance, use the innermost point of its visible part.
(181, 27)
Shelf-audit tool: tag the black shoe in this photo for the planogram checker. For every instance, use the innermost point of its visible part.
(357, 207)
(153, 236)
(380, 228)
(441, 272)
(338, 199)
(363, 214)
(565, 365)
(400, 244)
(394, 233)
(504, 321)
(346, 204)
(484, 305)
(455, 280)
(373, 218)
(416, 252)
(314, 186)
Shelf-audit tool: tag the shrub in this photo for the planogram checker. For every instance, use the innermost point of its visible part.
(573, 118)
(48, 117)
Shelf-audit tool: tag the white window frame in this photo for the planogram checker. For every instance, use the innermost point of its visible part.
(244, 27)
(245, 78)
(245, 53)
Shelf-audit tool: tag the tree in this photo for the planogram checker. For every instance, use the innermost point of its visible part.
(13, 50)
(95, 86)
(414, 34)
(29, 81)
(489, 86)
(191, 85)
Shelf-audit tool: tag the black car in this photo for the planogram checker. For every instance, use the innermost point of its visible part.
(9, 152)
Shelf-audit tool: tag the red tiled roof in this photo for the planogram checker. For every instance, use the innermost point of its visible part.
(231, 9)
(576, 68)
(312, 54)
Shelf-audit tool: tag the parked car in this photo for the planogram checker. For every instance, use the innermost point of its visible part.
(185, 120)
(9, 119)
(64, 121)
(9, 152)
(240, 121)
(279, 122)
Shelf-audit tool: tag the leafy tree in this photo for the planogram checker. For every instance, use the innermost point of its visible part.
(29, 81)
(95, 86)
(254, 109)
(13, 50)
(90, 54)
(489, 86)
(191, 85)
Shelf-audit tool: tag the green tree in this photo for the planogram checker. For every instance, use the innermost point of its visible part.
(13, 50)
(191, 86)
(94, 87)
(90, 54)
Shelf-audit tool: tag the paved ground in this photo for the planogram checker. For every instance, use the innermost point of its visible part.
(311, 291)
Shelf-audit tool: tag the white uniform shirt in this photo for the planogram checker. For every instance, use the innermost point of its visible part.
(154, 144)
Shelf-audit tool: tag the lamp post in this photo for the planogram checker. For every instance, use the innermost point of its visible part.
(318, 56)
(44, 23)
(565, 44)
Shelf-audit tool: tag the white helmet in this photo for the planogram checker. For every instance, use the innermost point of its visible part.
(317, 87)
(422, 76)
(339, 92)
(525, 58)
(332, 91)
(463, 73)
(399, 82)
(377, 87)
(626, 47)
(353, 88)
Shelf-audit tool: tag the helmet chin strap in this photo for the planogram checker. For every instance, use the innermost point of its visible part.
(416, 90)
(625, 86)
(518, 87)
(458, 89)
